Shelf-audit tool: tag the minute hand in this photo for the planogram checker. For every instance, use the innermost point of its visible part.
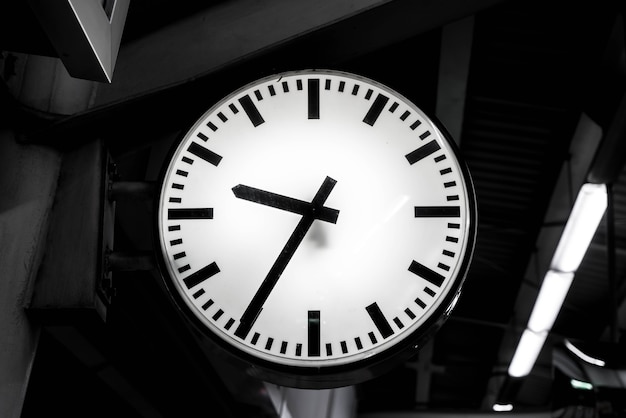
(256, 305)
(285, 203)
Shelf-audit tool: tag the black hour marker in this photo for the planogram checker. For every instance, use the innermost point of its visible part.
(201, 275)
(379, 320)
(314, 98)
(374, 111)
(251, 110)
(190, 213)
(358, 343)
(437, 211)
(206, 154)
(218, 314)
(422, 152)
(207, 305)
(426, 273)
(314, 333)
(448, 253)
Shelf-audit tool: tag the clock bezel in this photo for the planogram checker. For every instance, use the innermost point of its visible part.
(329, 376)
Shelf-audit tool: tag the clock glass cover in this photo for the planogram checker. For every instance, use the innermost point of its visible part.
(315, 223)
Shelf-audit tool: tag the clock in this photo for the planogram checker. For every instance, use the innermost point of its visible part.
(316, 227)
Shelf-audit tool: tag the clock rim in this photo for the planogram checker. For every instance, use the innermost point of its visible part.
(320, 376)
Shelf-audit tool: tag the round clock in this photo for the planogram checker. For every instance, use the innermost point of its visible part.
(316, 226)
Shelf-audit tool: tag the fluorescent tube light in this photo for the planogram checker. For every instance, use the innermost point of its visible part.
(527, 352)
(585, 357)
(547, 307)
(498, 407)
(578, 384)
(586, 215)
(549, 301)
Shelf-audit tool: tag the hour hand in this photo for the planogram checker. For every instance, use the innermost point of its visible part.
(289, 204)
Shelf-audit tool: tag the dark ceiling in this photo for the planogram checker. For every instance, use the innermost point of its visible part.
(535, 67)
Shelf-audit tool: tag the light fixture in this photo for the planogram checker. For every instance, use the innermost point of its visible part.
(585, 357)
(499, 407)
(549, 301)
(547, 306)
(526, 352)
(586, 214)
(579, 384)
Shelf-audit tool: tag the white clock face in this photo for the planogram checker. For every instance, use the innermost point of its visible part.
(315, 219)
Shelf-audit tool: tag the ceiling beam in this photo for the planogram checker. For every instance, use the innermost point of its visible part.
(454, 62)
(611, 155)
(215, 37)
(232, 31)
(198, 58)
(85, 34)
